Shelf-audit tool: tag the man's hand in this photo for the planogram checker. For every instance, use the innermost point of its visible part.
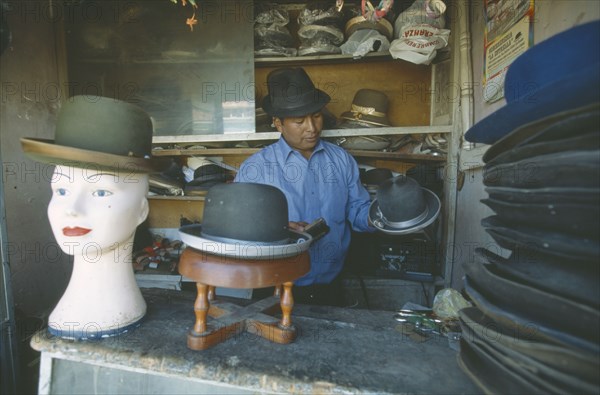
(297, 226)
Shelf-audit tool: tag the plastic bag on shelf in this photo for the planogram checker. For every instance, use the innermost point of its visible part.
(318, 48)
(269, 14)
(272, 36)
(428, 12)
(321, 13)
(323, 34)
(419, 43)
(273, 40)
(361, 42)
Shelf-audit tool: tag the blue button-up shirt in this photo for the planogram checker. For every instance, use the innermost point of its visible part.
(326, 185)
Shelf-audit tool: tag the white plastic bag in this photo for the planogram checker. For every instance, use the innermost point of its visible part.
(419, 43)
(428, 12)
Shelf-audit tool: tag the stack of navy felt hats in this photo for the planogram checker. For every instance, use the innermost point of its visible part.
(535, 324)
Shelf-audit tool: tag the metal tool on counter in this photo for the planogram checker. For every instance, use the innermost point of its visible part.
(424, 321)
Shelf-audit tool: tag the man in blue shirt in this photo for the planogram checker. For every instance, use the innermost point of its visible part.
(318, 178)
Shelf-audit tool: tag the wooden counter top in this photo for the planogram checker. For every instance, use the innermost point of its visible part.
(338, 350)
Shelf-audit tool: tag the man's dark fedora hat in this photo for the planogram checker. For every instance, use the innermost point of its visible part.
(292, 94)
(558, 74)
(369, 106)
(403, 206)
(100, 133)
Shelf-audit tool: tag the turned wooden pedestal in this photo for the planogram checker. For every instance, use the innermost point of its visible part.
(210, 271)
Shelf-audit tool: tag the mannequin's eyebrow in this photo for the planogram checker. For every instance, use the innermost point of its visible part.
(62, 175)
(97, 175)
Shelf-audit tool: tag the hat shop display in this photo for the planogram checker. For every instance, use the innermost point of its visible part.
(402, 206)
(541, 174)
(99, 134)
(264, 211)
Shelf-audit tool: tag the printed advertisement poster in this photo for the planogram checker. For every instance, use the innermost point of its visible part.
(508, 33)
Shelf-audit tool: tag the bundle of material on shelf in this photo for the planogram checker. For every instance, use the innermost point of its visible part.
(320, 29)
(271, 34)
(536, 324)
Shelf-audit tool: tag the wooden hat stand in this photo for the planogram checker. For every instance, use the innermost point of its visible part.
(210, 271)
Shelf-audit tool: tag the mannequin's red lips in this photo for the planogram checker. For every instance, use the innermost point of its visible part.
(75, 231)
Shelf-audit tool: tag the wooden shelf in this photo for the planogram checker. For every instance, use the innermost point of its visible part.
(249, 151)
(186, 198)
(320, 59)
(251, 136)
(396, 156)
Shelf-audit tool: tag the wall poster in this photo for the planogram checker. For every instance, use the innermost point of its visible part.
(508, 33)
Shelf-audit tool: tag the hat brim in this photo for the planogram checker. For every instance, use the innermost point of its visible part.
(297, 244)
(504, 315)
(373, 120)
(433, 210)
(571, 123)
(46, 151)
(570, 361)
(321, 99)
(576, 219)
(554, 243)
(571, 92)
(556, 276)
(575, 317)
(556, 195)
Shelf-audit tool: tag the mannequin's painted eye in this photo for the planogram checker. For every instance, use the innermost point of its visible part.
(102, 193)
(61, 192)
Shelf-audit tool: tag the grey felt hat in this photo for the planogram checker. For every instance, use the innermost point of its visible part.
(100, 133)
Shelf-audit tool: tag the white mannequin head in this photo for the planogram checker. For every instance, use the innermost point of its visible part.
(94, 211)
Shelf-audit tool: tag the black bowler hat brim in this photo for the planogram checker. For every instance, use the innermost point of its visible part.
(46, 151)
(522, 323)
(565, 359)
(575, 219)
(317, 101)
(433, 210)
(554, 128)
(576, 318)
(555, 243)
(193, 236)
(564, 278)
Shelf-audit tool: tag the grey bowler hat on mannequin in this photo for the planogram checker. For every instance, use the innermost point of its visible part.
(101, 133)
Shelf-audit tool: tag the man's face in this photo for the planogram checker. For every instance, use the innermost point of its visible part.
(301, 133)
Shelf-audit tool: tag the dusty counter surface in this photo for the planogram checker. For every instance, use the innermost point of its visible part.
(338, 350)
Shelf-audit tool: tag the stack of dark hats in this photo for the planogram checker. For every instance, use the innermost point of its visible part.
(320, 30)
(535, 327)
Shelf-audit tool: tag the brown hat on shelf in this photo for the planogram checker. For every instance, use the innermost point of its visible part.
(369, 106)
(383, 26)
